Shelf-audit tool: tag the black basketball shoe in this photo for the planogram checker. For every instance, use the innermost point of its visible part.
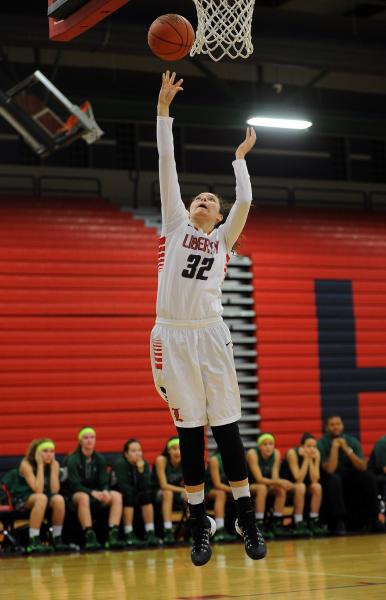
(203, 528)
(246, 527)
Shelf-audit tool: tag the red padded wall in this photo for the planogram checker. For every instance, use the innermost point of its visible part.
(290, 249)
(77, 302)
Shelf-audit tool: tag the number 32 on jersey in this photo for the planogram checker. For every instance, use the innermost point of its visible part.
(197, 267)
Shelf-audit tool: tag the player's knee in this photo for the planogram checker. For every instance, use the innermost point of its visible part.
(261, 489)
(300, 489)
(40, 500)
(81, 499)
(57, 501)
(316, 489)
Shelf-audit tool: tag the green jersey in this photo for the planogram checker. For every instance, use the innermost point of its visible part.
(265, 464)
(344, 463)
(18, 487)
(129, 479)
(87, 473)
(173, 475)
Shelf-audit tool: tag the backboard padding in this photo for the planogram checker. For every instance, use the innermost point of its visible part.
(81, 20)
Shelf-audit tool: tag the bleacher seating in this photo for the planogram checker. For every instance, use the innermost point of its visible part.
(77, 303)
(291, 249)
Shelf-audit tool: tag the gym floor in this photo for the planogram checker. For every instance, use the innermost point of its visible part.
(347, 568)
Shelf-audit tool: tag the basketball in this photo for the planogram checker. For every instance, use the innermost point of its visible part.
(170, 37)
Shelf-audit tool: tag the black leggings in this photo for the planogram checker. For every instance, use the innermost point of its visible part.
(192, 446)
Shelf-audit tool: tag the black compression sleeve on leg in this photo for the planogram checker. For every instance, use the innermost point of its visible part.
(192, 446)
(232, 451)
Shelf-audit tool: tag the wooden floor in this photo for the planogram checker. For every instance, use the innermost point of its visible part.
(343, 569)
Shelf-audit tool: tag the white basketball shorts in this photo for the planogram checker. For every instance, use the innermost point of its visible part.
(194, 371)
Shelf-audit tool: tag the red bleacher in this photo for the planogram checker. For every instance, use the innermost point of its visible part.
(290, 248)
(77, 303)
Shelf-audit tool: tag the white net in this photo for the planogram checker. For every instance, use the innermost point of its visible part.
(224, 28)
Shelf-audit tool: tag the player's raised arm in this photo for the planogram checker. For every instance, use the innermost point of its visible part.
(239, 212)
(173, 209)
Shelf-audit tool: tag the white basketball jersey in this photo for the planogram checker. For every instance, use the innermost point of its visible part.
(192, 264)
(191, 269)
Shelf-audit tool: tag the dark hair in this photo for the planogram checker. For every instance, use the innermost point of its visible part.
(165, 451)
(225, 208)
(332, 416)
(128, 443)
(306, 436)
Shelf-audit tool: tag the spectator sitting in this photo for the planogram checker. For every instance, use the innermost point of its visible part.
(349, 491)
(219, 490)
(377, 466)
(168, 484)
(304, 467)
(35, 486)
(133, 481)
(264, 463)
(89, 485)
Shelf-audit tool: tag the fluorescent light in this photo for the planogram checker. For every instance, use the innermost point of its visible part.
(279, 123)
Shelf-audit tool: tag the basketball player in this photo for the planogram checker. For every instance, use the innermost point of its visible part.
(191, 347)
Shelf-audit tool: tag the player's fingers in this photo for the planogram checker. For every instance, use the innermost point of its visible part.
(172, 78)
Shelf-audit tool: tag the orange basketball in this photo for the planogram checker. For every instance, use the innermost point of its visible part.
(170, 37)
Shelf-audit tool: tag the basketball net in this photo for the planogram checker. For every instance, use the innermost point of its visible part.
(224, 28)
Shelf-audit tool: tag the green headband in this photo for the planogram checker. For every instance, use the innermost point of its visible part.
(84, 431)
(173, 442)
(45, 446)
(265, 436)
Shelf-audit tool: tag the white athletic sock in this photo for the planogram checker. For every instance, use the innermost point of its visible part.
(168, 525)
(298, 518)
(57, 530)
(278, 515)
(196, 497)
(259, 516)
(33, 533)
(240, 491)
(128, 529)
(219, 523)
(149, 526)
(314, 515)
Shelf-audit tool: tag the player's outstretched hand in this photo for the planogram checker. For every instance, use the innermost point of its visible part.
(169, 89)
(247, 144)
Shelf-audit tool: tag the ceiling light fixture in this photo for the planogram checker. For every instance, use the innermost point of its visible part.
(279, 123)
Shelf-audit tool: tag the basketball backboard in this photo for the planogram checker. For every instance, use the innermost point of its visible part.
(70, 18)
(45, 118)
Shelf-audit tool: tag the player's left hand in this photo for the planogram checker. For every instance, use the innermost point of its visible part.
(247, 144)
